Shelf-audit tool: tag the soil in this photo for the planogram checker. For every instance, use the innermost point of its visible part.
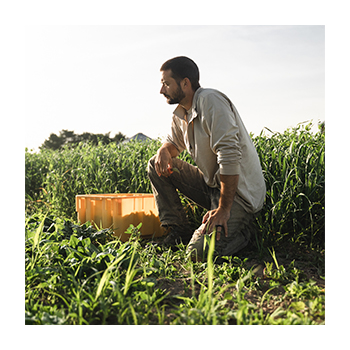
(310, 263)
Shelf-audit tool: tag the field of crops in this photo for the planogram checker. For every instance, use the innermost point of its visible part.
(78, 274)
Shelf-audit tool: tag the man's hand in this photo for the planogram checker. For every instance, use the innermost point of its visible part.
(163, 161)
(216, 218)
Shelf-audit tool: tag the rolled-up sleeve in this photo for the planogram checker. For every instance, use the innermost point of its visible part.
(224, 133)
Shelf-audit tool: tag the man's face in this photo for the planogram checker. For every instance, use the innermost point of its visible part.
(170, 89)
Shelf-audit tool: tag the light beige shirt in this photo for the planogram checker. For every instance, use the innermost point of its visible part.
(213, 133)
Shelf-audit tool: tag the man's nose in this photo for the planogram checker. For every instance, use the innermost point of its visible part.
(162, 90)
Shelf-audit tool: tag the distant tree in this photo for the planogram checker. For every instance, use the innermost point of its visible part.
(119, 137)
(94, 138)
(55, 142)
(67, 137)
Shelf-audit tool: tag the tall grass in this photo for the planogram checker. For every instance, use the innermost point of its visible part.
(54, 178)
(293, 164)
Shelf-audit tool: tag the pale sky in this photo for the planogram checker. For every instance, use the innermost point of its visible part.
(106, 78)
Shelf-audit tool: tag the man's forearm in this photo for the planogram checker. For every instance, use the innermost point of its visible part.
(171, 148)
(228, 189)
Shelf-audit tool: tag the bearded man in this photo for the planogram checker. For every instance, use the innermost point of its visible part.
(227, 179)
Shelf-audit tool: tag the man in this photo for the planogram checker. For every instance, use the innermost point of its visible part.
(228, 179)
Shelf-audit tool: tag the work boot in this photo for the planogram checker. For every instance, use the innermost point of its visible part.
(177, 235)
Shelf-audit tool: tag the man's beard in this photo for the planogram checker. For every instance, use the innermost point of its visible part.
(178, 96)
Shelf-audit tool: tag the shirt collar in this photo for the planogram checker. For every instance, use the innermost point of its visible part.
(181, 112)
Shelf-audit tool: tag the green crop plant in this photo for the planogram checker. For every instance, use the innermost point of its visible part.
(293, 164)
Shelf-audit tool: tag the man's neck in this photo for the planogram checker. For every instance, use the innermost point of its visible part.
(187, 101)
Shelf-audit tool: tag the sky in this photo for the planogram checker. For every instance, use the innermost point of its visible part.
(102, 79)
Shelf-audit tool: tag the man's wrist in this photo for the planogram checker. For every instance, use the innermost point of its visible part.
(224, 208)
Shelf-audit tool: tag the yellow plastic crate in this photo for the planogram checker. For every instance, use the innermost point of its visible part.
(118, 210)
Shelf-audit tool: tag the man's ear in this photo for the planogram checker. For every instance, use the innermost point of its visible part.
(186, 83)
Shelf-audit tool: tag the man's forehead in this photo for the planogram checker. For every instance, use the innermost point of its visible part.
(165, 75)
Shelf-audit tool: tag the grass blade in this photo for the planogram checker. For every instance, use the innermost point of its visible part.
(105, 277)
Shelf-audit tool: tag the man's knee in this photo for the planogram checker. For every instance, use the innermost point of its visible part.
(150, 165)
(238, 238)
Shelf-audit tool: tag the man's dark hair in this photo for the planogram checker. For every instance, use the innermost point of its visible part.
(183, 67)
